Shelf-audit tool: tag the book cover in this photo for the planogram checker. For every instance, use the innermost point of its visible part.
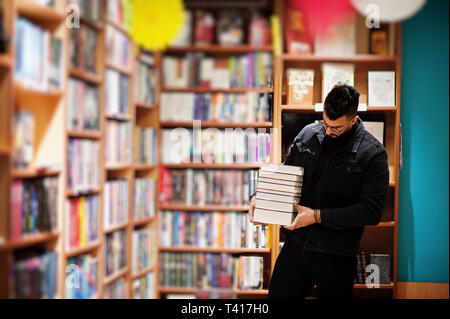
(300, 85)
(382, 88)
(336, 73)
(271, 217)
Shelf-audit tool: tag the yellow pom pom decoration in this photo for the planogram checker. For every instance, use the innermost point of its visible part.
(154, 24)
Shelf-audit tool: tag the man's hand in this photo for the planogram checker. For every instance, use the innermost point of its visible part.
(305, 217)
(251, 211)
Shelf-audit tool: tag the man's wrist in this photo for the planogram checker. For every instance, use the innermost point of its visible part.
(317, 216)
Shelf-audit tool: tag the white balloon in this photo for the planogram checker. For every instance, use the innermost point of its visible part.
(389, 10)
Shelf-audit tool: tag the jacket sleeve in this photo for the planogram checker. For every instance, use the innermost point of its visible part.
(371, 200)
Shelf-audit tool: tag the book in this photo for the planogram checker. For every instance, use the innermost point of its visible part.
(34, 207)
(82, 221)
(298, 41)
(82, 48)
(276, 206)
(376, 129)
(336, 73)
(381, 88)
(115, 11)
(83, 169)
(184, 37)
(379, 40)
(115, 252)
(116, 290)
(146, 84)
(284, 169)
(144, 287)
(280, 176)
(300, 85)
(90, 9)
(144, 198)
(23, 147)
(204, 27)
(144, 249)
(267, 195)
(38, 57)
(279, 187)
(339, 40)
(118, 142)
(83, 113)
(87, 274)
(115, 202)
(280, 181)
(230, 27)
(271, 217)
(117, 47)
(145, 145)
(33, 274)
(259, 29)
(117, 93)
(210, 229)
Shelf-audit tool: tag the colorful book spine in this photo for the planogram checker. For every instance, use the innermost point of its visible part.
(144, 198)
(116, 203)
(83, 221)
(84, 277)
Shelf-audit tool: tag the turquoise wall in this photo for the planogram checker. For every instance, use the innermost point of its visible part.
(423, 243)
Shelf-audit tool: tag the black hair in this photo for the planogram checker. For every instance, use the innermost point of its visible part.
(342, 100)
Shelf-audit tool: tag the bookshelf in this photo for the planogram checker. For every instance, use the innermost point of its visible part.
(53, 136)
(216, 51)
(381, 239)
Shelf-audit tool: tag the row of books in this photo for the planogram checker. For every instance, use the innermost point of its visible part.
(83, 47)
(83, 171)
(115, 252)
(90, 9)
(117, 142)
(82, 221)
(215, 146)
(221, 107)
(227, 28)
(83, 112)
(197, 70)
(144, 198)
(210, 229)
(34, 206)
(350, 36)
(117, 47)
(300, 84)
(144, 251)
(115, 204)
(23, 148)
(38, 57)
(117, 98)
(145, 287)
(146, 86)
(33, 275)
(145, 150)
(116, 290)
(81, 282)
(115, 11)
(210, 271)
(207, 187)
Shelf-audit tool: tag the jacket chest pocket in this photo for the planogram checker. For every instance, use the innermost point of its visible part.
(345, 181)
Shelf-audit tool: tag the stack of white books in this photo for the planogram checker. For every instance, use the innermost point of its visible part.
(279, 186)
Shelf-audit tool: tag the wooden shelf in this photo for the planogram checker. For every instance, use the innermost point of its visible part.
(118, 117)
(142, 106)
(144, 221)
(312, 109)
(220, 49)
(98, 26)
(383, 224)
(217, 90)
(45, 16)
(5, 61)
(205, 208)
(363, 58)
(216, 250)
(212, 166)
(119, 68)
(143, 273)
(382, 286)
(85, 134)
(31, 240)
(206, 124)
(111, 229)
(4, 150)
(85, 76)
(82, 250)
(144, 167)
(118, 26)
(27, 95)
(82, 192)
(118, 167)
(115, 276)
(34, 173)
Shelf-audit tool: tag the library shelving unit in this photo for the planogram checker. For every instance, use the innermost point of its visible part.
(380, 239)
(48, 110)
(217, 50)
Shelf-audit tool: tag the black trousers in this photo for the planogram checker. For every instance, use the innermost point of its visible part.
(297, 271)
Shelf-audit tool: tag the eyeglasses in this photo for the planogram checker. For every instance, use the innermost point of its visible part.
(333, 129)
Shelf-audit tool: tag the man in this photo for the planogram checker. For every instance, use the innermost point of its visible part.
(345, 182)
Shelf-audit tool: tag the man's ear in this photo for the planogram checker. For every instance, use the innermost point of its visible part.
(355, 119)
